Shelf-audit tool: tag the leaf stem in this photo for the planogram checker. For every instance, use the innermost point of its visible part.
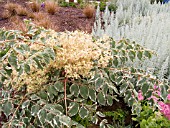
(65, 94)
(9, 126)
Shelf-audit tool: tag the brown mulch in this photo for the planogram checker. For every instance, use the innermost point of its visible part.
(66, 18)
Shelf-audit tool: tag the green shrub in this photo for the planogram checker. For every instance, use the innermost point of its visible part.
(152, 119)
(118, 117)
(72, 4)
(48, 78)
(102, 6)
(64, 4)
(112, 7)
(67, 4)
(80, 1)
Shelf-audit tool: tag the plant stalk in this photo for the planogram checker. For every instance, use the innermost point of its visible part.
(65, 94)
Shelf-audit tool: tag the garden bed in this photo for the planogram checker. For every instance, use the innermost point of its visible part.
(54, 74)
(66, 18)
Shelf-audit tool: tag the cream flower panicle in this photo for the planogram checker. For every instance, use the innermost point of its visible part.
(76, 53)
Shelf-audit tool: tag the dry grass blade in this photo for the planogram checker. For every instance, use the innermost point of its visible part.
(34, 6)
(18, 24)
(89, 11)
(51, 7)
(43, 20)
(39, 16)
(21, 11)
(11, 7)
(30, 15)
(46, 23)
(6, 14)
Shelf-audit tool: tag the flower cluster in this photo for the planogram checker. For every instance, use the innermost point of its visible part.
(155, 94)
(163, 107)
(140, 96)
(34, 80)
(77, 53)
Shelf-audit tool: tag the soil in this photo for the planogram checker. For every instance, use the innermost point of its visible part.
(66, 18)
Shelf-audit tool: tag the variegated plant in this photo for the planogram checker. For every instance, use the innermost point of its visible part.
(38, 87)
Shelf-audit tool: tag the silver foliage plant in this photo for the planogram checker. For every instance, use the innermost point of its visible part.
(142, 22)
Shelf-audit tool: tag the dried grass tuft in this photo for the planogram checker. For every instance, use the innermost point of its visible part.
(51, 7)
(18, 24)
(14, 19)
(21, 11)
(39, 16)
(89, 11)
(30, 15)
(34, 6)
(11, 8)
(6, 14)
(46, 23)
(43, 20)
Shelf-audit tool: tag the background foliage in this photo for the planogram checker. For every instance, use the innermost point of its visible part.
(142, 22)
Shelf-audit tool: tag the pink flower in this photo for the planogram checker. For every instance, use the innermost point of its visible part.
(168, 97)
(155, 87)
(158, 93)
(154, 98)
(165, 109)
(166, 112)
(140, 96)
(161, 104)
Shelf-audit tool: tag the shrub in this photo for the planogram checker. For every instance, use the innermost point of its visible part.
(67, 4)
(102, 6)
(112, 7)
(72, 4)
(151, 118)
(118, 117)
(46, 78)
(89, 11)
(82, 5)
(64, 4)
(80, 1)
